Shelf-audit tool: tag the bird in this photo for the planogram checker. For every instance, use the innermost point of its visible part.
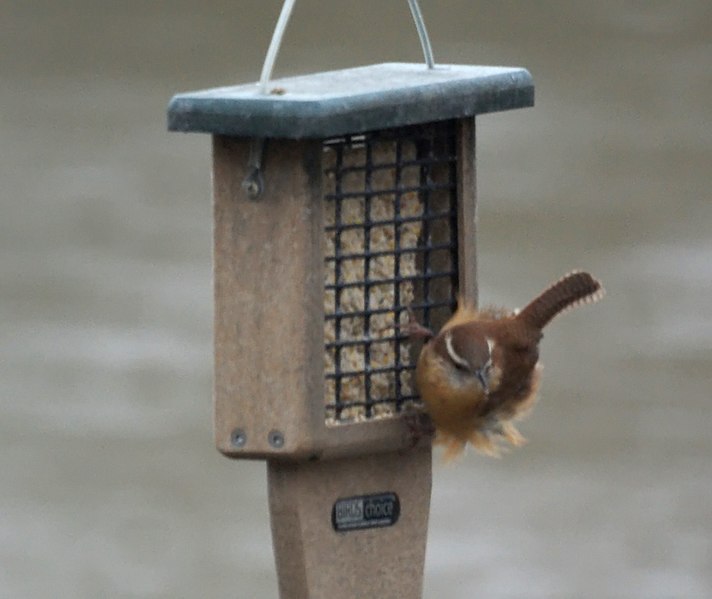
(480, 373)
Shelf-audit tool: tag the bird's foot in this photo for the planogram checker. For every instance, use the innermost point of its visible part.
(414, 329)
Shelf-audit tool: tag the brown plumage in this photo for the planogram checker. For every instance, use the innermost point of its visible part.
(480, 373)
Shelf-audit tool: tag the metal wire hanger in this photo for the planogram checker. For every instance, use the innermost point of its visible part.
(281, 26)
(253, 183)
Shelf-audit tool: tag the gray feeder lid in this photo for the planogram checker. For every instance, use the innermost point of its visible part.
(367, 98)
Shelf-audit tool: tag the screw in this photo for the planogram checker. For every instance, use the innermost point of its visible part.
(238, 438)
(276, 439)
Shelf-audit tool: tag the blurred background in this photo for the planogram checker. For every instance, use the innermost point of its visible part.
(111, 486)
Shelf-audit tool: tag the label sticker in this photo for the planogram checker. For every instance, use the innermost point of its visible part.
(365, 511)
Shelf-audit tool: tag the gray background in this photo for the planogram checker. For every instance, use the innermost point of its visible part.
(110, 483)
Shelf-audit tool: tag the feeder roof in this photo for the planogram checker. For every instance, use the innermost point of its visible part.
(322, 105)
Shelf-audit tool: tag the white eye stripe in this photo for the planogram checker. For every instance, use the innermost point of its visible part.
(452, 353)
(490, 349)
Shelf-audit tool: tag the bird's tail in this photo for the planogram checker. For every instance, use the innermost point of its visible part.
(571, 290)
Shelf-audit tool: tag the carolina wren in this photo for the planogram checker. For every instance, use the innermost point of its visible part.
(480, 373)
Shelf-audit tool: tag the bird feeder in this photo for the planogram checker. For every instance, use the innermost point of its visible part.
(342, 200)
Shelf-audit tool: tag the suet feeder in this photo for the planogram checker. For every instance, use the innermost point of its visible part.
(342, 200)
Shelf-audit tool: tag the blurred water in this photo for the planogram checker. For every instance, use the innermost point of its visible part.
(110, 483)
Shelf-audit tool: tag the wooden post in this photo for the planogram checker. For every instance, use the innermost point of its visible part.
(317, 561)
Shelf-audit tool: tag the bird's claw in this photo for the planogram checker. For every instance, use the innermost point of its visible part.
(413, 328)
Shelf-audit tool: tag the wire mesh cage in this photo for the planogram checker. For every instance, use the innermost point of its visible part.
(390, 220)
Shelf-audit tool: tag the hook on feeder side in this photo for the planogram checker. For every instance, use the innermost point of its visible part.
(254, 183)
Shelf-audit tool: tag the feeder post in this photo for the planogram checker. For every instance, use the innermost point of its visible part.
(368, 208)
(314, 561)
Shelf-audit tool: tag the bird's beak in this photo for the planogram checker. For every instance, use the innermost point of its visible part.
(482, 377)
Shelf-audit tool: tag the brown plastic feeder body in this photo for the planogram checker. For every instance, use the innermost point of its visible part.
(341, 201)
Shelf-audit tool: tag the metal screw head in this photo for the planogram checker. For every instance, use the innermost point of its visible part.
(238, 438)
(276, 439)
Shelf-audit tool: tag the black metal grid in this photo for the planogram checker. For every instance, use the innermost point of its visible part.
(391, 231)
